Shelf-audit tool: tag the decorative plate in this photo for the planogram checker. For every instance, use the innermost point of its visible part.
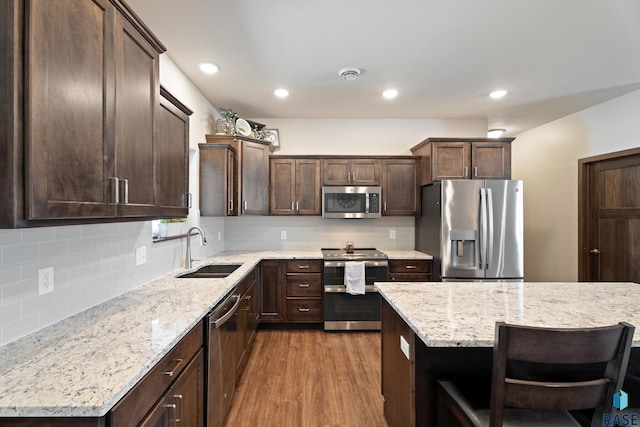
(243, 127)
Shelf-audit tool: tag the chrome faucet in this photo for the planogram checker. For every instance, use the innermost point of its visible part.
(203, 241)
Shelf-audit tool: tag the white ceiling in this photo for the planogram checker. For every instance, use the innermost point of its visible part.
(555, 57)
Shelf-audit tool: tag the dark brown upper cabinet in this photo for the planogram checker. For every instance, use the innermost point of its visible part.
(218, 195)
(172, 157)
(351, 171)
(78, 123)
(250, 177)
(295, 186)
(463, 158)
(399, 189)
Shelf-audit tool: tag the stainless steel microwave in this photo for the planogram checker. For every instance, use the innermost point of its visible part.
(351, 202)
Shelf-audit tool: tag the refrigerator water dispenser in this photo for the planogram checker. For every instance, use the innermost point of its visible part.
(463, 248)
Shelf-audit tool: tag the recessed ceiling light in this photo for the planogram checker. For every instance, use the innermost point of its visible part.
(495, 133)
(390, 93)
(497, 94)
(208, 67)
(281, 93)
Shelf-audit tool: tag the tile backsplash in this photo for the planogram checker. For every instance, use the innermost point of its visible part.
(94, 263)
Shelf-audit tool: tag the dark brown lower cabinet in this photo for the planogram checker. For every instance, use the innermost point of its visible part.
(271, 291)
(184, 401)
(405, 270)
(397, 369)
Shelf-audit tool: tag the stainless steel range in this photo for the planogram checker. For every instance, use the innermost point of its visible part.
(343, 311)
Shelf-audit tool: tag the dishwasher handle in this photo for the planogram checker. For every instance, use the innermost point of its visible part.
(216, 323)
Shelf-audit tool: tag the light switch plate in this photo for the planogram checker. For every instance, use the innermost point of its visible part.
(283, 235)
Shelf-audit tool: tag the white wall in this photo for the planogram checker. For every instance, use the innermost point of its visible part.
(366, 136)
(546, 158)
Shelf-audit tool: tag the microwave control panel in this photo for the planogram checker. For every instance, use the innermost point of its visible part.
(374, 202)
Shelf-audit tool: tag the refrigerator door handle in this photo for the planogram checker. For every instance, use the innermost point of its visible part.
(483, 227)
(489, 206)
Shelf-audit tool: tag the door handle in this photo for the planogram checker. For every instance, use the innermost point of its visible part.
(595, 251)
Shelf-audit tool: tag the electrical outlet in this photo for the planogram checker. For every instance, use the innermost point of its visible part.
(45, 280)
(141, 255)
(283, 235)
(392, 234)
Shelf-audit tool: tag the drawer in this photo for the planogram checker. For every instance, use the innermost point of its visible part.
(410, 277)
(304, 285)
(304, 266)
(304, 310)
(410, 266)
(147, 391)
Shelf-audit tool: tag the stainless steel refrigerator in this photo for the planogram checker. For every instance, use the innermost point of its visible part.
(473, 229)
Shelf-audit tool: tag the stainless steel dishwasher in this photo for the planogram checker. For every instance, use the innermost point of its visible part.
(221, 369)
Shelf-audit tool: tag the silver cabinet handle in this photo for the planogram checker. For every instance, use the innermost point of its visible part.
(348, 176)
(170, 373)
(171, 408)
(179, 398)
(410, 267)
(304, 285)
(303, 309)
(475, 171)
(385, 206)
(353, 175)
(246, 204)
(297, 206)
(116, 189)
(189, 200)
(304, 267)
(126, 190)
(230, 206)
(595, 251)
(292, 206)
(466, 171)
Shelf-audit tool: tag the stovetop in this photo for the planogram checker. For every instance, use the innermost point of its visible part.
(358, 254)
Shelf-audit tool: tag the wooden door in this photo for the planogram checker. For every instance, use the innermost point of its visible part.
(336, 172)
(399, 189)
(307, 187)
(172, 157)
(137, 99)
(609, 217)
(451, 160)
(255, 178)
(491, 160)
(68, 125)
(282, 192)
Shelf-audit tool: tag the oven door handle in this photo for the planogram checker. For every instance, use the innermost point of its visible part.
(341, 289)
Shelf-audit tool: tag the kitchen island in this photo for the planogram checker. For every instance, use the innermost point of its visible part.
(434, 330)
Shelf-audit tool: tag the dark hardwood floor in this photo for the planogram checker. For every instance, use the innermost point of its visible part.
(309, 378)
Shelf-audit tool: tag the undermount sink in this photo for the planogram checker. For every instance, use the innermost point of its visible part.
(214, 271)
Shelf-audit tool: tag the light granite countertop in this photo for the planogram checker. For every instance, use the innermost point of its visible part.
(83, 365)
(463, 314)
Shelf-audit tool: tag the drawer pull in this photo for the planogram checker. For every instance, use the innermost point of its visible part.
(410, 267)
(303, 285)
(303, 309)
(179, 399)
(170, 373)
(304, 267)
(171, 408)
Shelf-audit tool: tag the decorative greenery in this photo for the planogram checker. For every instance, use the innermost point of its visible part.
(227, 113)
(172, 220)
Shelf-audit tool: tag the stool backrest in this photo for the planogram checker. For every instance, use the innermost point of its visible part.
(558, 369)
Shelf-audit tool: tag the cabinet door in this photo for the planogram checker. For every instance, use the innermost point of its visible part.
(283, 187)
(217, 180)
(336, 172)
(251, 308)
(271, 291)
(399, 188)
(68, 127)
(184, 402)
(491, 160)
(137, 99)
(255, 178)
(307, 188)
(365, 172)
(172, 158)
(451, 160)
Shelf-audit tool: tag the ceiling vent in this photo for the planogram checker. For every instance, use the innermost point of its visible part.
(349, 73)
